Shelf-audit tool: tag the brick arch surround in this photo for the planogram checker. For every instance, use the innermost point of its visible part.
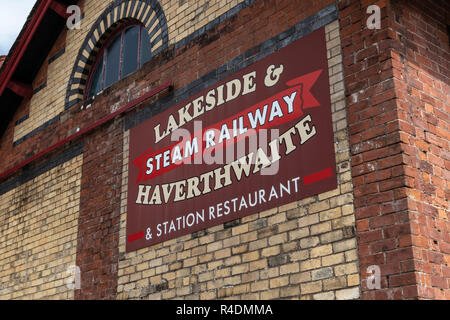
(148, 12)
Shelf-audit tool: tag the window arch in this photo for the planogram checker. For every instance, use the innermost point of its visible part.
(124, 52)
(148, 12)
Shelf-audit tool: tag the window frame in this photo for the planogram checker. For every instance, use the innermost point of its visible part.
(102, 56)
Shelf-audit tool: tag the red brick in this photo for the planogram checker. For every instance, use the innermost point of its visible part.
(376, 222)
(402, 279)
(367, 212)
(399, 255)
(384, 245)
(370, 236)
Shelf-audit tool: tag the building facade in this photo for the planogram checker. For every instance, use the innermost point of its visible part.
(85, 94)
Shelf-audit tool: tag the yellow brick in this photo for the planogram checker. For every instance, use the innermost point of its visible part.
(347, 209)
(233, 260)
(148, 273)
(290, 291)
(251, 296)
(288, 206)
(214, 246)
(348, 294)
(142, 266)
(270, 273)
(329, 194)
(270, 294)
(351, 255)
(289, 268)
(168, 294)
(277, 239)
(287, 226)
(298, 234)
(48, 196)
(353, 280)
(312, 287)
(276, 219)
(259, 264)
(343, 222)
(279, 282)
(300, 277)
(333, 259)
(324, 296)
(345, 269)
(241, 289)
(321, 228)
(299, 255)
(240, 229)
(321, 251)
(190, 262)
(310, 264)
(259, 286)
(249, 236)
(250, 256)
(268, 213)
(222, 253)
(319, 206)
(271, 251)
(222, 273)
(334, 283)
(240, 269)
(308, 220)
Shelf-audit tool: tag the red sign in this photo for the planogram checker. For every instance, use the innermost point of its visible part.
(259, 139)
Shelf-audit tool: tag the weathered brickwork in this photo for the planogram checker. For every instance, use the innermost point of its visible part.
(187, 16)
(397, 95)
(389, 90)
(306, 249)
(422, 74)
(38, 235)
(98, 226)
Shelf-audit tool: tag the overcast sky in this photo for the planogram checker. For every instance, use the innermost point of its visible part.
(13, 14)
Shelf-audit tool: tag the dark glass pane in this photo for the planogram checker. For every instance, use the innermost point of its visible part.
(112, 62)
(130, 51)
(146, 50)
(96, 79)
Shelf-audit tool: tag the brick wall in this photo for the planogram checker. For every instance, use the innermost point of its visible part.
(397, 100)
(305, 249)
(421, 66)
(97, 252)
(38, 234)
(389, 93)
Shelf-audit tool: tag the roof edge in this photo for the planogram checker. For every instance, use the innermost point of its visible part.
(19, 47)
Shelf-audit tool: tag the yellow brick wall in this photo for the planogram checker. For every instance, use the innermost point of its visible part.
(187, 16)
(183, 18)
(38, 232)
(306, 249)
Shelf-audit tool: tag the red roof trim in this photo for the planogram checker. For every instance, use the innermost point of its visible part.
(21, 89)
(16, 56)
(59, 9)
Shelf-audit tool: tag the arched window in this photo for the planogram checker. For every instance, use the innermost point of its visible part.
(126, 52)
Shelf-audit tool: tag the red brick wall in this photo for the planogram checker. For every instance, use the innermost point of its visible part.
(98, 226)
(422, 68)
(397, 95)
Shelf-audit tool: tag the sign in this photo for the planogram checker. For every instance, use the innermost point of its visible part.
(258, 139)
